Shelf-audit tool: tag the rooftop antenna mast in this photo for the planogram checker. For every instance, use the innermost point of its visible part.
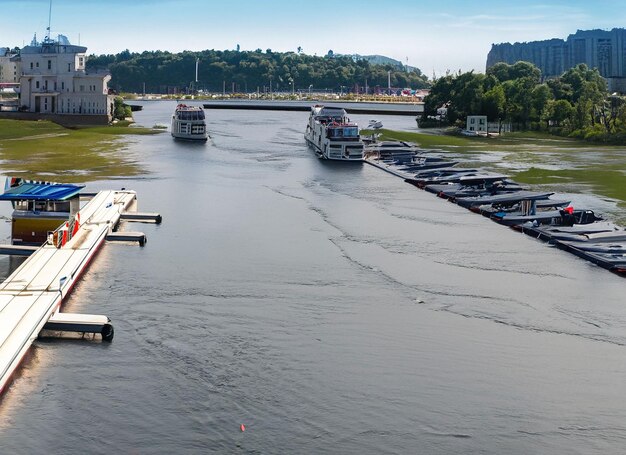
(49, 21)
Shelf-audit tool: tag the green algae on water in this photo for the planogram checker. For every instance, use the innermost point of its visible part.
(47, 151)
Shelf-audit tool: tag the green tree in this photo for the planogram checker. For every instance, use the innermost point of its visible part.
(525, 70)
(519, 100)
(505, 72)
(540, 95)
(494, 103)
(560, 89)
(500, 71)
(556, 113)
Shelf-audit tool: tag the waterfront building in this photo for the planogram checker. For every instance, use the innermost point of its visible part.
(477, 123)
(9, 67)
(601, 49)
(54, 80)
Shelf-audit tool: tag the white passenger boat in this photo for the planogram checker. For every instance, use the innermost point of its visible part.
(332, 135)
(188, 123)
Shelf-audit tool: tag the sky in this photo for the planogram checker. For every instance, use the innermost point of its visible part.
(435, 36)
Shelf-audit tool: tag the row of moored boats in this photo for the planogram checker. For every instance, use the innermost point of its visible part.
(536, 213)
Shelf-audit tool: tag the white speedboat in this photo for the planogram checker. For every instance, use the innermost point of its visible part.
(332, 135)
(188, 123)
(375, 125)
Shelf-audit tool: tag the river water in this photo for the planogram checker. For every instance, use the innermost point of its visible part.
(329, 308)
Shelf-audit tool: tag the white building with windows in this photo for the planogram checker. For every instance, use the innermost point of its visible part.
(477, 123)
(9, 67)
(54, 81)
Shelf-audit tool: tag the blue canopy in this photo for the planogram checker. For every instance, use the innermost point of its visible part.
(41, 192)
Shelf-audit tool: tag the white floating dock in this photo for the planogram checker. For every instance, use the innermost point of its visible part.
(35, 291)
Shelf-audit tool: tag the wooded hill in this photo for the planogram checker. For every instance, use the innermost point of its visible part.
(249, 71)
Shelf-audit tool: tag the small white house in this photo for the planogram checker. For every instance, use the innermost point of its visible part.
(54, 80)
(476, 123)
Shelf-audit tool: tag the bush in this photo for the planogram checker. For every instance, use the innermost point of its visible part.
(121, 111)
(431, 123)
(577, 134)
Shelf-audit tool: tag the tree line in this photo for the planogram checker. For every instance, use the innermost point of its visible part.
(248, 71)
(576, 103)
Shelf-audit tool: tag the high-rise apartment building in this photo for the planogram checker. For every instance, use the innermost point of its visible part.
(601, 49)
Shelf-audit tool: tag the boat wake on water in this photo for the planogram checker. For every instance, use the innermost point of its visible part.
(423, 274)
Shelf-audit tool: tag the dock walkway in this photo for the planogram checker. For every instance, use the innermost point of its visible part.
(35, 290)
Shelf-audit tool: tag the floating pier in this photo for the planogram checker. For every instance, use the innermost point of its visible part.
(81, 323)
(31, 297)
(125, 236)
(143, 217)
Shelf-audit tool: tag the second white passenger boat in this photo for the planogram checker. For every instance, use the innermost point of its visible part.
(188, 122)
(332, 135)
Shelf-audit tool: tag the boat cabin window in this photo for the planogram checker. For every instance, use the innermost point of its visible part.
(42, 206)
(21, 205)
(191, 115)
(328, 119)
(349, 132)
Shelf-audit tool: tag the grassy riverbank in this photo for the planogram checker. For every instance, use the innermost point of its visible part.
(45, 150)
(555, 164)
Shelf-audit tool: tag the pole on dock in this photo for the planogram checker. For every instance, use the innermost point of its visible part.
(62, 281)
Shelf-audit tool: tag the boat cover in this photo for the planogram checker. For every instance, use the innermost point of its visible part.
(40, 191)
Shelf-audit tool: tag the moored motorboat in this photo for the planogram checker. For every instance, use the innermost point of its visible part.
(418, 166)
(474, 185)
(439, 175)
(519, 207)
(517, 196)
(375, 125)
(611, 257)
(561, 217)
(391, 150)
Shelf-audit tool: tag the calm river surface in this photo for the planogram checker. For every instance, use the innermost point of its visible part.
(329, 308)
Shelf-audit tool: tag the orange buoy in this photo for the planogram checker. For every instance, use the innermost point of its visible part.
(242, 427)
(76, 224)
(64, 237)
